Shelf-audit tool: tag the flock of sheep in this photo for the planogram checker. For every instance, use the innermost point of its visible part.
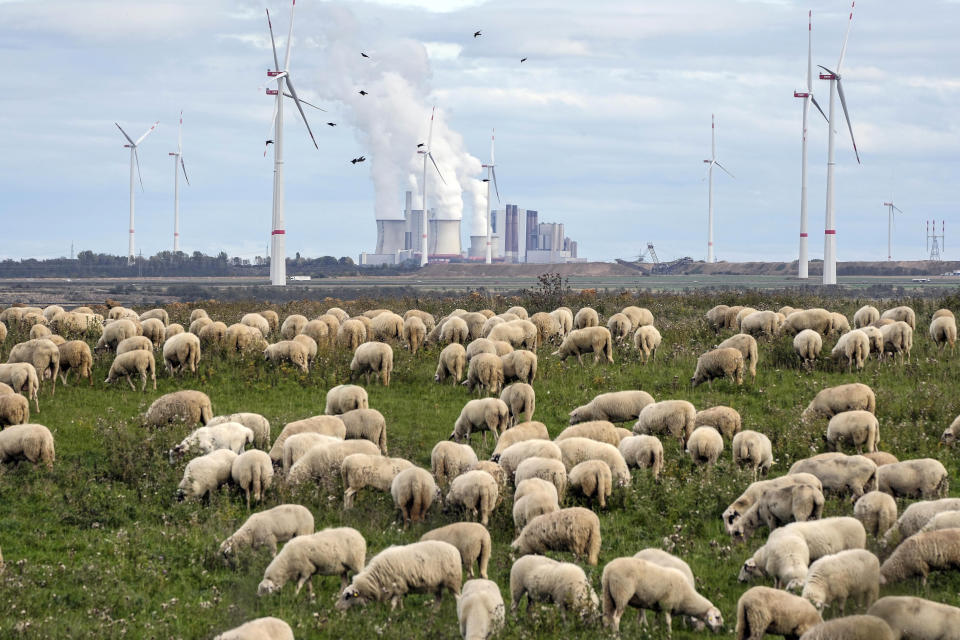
(824, 560)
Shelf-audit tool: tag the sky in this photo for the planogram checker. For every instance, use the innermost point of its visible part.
(604, 127)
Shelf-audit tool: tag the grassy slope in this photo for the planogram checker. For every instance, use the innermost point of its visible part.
(99, 547)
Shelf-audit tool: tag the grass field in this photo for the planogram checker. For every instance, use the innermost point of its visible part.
(99, 547)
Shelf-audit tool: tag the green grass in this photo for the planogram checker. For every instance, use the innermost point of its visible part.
(99, 547)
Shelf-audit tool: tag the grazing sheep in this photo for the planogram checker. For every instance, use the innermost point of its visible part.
(646, 340)
(212, 336)
(227, 435)
(547, 469)
(532, 500)
(851, 628)
(639, 316)
(950, 434)
(920, 553)
(422, 567)
(716, 316)
(298, 444)
(749, 497)
(599, 430)
(181, 352)
(593, 339)
(258, 322)
(292, 326)
(483, 414)
(921, 478)
(533, 486)
(575, 529)
(267, 528)
(858, 428)
(476, 492)
(451, 363)
(331, 552)
(915, 517)
(520, 365)
(620, 326)
(943, 332)
(204, 475)
(520, 398)
(876, 339)
(309, 343)
(385, 327)
(530, 430)
(616, 406)
(40, 331)
(542, 579)
(426, 318)
(726, 420)
(593, 479)
(346, 397)
(155, 330)
(14, 409)
(747, 346)
(897, 339)
(290, 351)
(132, 363)
(576, 450)
(480, 610)
(319, 332)
(134, 343)
(547, 327)
(761, 323)
(738, 319)
(881, 458)
(361, 470)
(778, 507)
(324, 425)
(414, 333)
(252, 471)
(818, 320)
(645, 452)
(32, 442)
(762, 611)
(511, 457)
(253, 421)
(333, 323)
(807, 345)
(481, 345)
(839, 473)
(917, 619)
(188, 406)
(449, 459)
(454, 330)
(350, 335)
(854, 573)
(114, 333)
(22, 378)
(471, 539)
(944, 520)
(674, 418)
(564, 318)
(719, 363)
(839, 323)
(877, 511)
(43, 354)
(323, 462)
(485, 373)
(901, 314)
(197, 325)
(853, 347)
(272, 318)
(586, 317)
(496, 472)
(865, 315)
(413, 491)
(521, 334)
(488, 325)
(845, 397)
(367, 424)
(705, 445)
(260, 629)
(242, 339)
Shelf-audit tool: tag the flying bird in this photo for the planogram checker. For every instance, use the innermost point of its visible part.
(523, 59)
(477, 34)
(419, 145)
(269, 142)
(331, 124)
(362, 92)
(364, 55)
(356, 160)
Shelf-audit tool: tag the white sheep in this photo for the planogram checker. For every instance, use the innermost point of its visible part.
(778, 507)
(838, 472)
(252, 471)
(480, 610)
(350, 335)
(547, 327)
(366, 424)
(851, 628)
(542, 579)
(361, 470)
(620, 326)
(616, 406)
(454, 330)
(595, 340)
(817, 319)
(427, 567)
(716, 316)
(76, 356)
(854, 573)
(253, 421)
(346, 397)
(14, 409)
(943, 332)
(292, 325)
(647, 340)
(134, 343)
(915, 516)
(762, 611)
(260, 629)
(725, 362)
(548, 469)
(705, 445)
(916, 618)
(668, 417)
(476, 492)
(32, 442)
(593, 479)
(754, 449)
(414, 332)
(325, 425)
(181, 352)
(482, 414)
(865, 315)
(188, 407)
(858, 428)
(902, 314)
(226, 435)
(586, 317)
(877, 511)
(599, 430)
(747, 346)
(485, 372)
(22, 378)
(258, 322)
(323, 461)
(298, 444)
(852, 347)
(920, 478)
(897, 339)
(921, 553)
(413, 491)
(520, 398)
(519, 365)
(645, 452)
(573, 451)
(267, 528)
(530, 430)
(290, 351)
(575, 529)
(319, 332)
(511, 457)
(564, 318)
(845, 397)
(449, 459)
(876, 339)
(471, 539)
(880, 458)
(944, 520)
(807, 345)
(726, 420)
(453, 358)
(132, 363)
(375, 358)
(331, 552)
(753, 492)
(204, 475)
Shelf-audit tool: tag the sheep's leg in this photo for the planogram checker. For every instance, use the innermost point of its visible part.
(348, 498)
(247, 491)
(343, 581)
(668, 620)
(130, 382)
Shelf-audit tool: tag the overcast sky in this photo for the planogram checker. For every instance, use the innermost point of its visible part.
(604, 127)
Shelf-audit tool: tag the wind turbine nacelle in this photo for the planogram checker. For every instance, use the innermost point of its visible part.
(271, 92)
(273, 74)
(801, 94)
(828, 76)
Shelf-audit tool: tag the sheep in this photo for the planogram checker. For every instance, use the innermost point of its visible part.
(548, 469)
(593, 339)
(533, 502)
(227, 435)
(481, 345)
(298, 444)
(639, 316)
(484, 373)
(476, 492)
(643, 452)
(599, 430)
(705, 445)
(719, 363)
(198, 324)
(449, 459)
(452, 360)
(269, 628)
(289, 351)
(649, 585)
(834, 578)
(483, 414)
(716, 316)
(839, 323)
(851, 628)
(575, 529)
(350, 335)
(876, 339)
(877, 511)
(593, 479)
(241, 339)
(807, 345)
(6, 389)
(564, 318)
(253, 421)
(920, 478)
(511, 457)
(944, 520)
(620, 326)
(155, 330)
(818, 320)
(747, 346)
(520, 365)
(361, 470)
(853, 347)
(318, 331)
(488, 326)
(646, 340)
(865, 315)
(252, 471)
(204, 475)
(520, 398)
(386, 326)
(920, 553)
(616, 406)
(777, 507)
(496, 472)
(187, 406)
(43, 354)
(942, 313)
(292, 325)
(426, 318)
(76, 356)
(548, 328)
(534, 486)
(839, 472)
(586, 317)
(762, 611)
(368, 424)
(667, 417)
(471, 539)
(309, 344)
(32, 442)
(414, 333)
(915, 516)
(131, 363)
(521, 334)
(330, 552)
(454, 330)
(324, 425)
(338, 313)
(726, 420)
(858, 428)
(917, 619)
(943, 332)
(22, 378)
(480, 610)
(845, 397)
(181, 352)
(114, 332)
(324, 461)
(267, 528)
(345, 397)
(897, 339)
(258, 322)
(747, 499)
(902, 314)
(426, 567)
(198, 313)
(739, 317)
(761, 323)
(949, 435)
(530, 430)
(212, 336)
(14, 409)
(333, 323)
(542, 579)
(413, 491)
(576, 450)
(40, 331)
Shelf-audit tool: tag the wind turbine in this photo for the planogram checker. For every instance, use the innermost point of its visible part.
(178, 160)
(134, 159)
(890, 208)
(278, 245)
(426, 153)
(829, 231)
(807, 96)
(491, 177)
(710, 163)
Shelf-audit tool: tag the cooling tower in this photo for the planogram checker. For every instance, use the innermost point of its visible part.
(478, 247)
(444, 238)
(390, 235)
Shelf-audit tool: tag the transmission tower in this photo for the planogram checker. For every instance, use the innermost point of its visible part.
(935, 242)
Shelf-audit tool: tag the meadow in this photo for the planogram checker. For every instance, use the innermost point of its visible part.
(99, 546)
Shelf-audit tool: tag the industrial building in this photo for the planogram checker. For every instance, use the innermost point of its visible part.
(398, 239)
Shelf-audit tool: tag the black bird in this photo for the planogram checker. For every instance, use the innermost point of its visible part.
(419, 145)
(523, 59)
(477, 34)
(362, 158)
(362, 92)
(364, 55)
(269, 141)
(356, 160)
(331, 124)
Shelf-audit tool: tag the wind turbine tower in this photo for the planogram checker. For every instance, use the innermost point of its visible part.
(178, 160)
(890, 209)
(425, 222)
(710, 164)
(491, 177)
(134, 159)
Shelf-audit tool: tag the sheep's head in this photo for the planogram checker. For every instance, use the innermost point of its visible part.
(575, 417)
(749, 571)
(948, 438)
(796, 586)
(266, 587)
(714, 619)
(350, 597)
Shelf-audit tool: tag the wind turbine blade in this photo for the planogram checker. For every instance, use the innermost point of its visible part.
(430, 155)
(184, 167)
(293, 94)
(724, 169)
(493, 134)
(817, 105)
(136, 157)
(810, 52)
(430, 135)
(305, 102)
(843, 50)
(180, 135)
(149, 131)
(276, 62)
(129, 139)
(843, 103)
(896, 208)
(286, 58)
(493, 174)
